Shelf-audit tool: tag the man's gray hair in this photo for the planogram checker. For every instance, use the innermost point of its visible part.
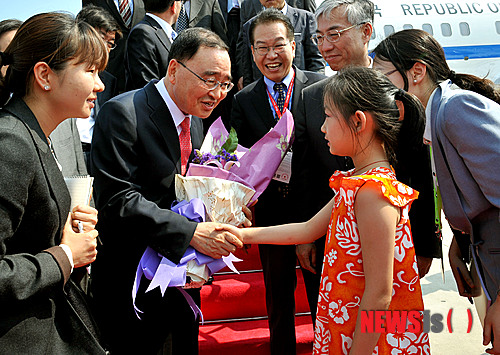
(357, 11)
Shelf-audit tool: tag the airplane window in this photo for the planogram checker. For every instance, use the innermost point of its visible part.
(407, 27)
(497, 25)
(427, 27)
(446, 29)
(388, 29)
(464, 29)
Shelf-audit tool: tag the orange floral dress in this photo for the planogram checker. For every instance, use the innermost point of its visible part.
(342, 279)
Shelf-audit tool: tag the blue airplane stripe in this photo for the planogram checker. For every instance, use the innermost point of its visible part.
(472, 52)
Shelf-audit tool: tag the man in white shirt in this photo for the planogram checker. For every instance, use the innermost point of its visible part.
(136, 152)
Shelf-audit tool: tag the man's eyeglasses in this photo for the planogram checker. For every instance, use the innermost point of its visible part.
(331, 36)
(111, 45)
(262, 50)
(211, 84)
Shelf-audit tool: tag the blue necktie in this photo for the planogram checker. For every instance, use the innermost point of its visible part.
(280, 88)
(182, 21)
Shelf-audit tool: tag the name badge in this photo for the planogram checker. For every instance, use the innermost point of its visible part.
(284, 170)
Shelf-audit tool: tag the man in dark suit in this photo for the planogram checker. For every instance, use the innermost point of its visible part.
(149, 42)
(343, 41)
(206, 14)
(256, 109)
(117, 56)
(250, 8)
(136, 152)
(307, 56)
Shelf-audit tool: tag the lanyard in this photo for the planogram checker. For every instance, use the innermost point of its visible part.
(287, 98)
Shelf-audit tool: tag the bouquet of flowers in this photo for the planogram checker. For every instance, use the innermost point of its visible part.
(222, 178)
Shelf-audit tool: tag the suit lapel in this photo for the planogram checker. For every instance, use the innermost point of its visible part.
(257, 6)
(292, 15)
(53, 175)
(162, 118)
(160, 33)
(194, 11)
(261, 104)
(223, 7)
(299, 84)
(111, 7)
(138, 13)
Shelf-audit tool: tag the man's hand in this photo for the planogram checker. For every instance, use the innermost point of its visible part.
(306, 253)
(491, 332)
(211, 239)
(424, 264)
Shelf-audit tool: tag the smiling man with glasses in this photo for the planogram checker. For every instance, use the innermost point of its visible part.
(256, 110)
(306, 57)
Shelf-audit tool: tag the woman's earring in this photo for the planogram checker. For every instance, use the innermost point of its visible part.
(46, 87)
(414, 81)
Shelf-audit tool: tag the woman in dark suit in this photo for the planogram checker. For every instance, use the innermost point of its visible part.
(53, 63)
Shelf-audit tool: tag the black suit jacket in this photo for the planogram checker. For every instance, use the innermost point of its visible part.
(313, 165)
(134, 158)
(312, 162)
(147, 52)
(42, 312)
(307, 56)
(252, 118)
(110, 89)
(207, 14)
(117, 55)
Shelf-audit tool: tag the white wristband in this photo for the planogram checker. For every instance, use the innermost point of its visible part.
(69, 254)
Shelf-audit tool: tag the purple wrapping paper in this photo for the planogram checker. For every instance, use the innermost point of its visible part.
(163, 273)
(257, 164)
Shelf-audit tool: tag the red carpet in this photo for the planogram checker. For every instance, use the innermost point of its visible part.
(235, 311)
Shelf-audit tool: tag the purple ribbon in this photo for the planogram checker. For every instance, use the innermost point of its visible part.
(163, 273)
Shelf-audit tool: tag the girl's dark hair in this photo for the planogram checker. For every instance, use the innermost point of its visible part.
(54, 38)
(404, 48)
(364, 89)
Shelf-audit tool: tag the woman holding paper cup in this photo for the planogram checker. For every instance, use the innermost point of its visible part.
(53, 63)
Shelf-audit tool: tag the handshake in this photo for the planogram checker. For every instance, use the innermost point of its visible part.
(217, 239)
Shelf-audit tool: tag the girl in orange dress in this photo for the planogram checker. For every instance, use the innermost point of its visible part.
(369, 264)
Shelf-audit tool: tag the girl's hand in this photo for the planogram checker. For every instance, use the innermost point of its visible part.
(85, 214)
(83, 245)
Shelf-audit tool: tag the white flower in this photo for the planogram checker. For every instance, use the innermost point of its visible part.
(338, 312)
(331, 256)
(402, 343)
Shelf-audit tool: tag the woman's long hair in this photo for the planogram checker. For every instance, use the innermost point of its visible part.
(404, 48)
